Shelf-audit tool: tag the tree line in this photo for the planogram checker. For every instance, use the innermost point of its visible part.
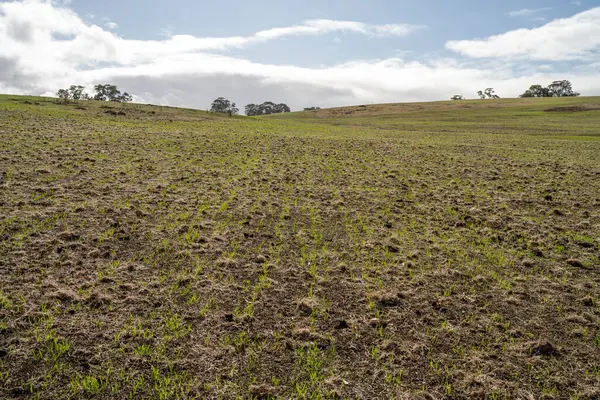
(101, 93)
(223, 105)
(555, 89)
(266, 108)
(488, 93)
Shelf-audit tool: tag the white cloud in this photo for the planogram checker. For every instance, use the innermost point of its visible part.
(309, 27)
(177, 81)
(167, 31)
(177, 44)
(524, 12)
(574, 38)
(45, 20)
(111, 25)
(45, 47)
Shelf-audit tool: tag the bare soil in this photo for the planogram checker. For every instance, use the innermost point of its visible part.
(443, 251)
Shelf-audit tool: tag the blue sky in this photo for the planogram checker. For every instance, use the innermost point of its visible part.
(184, 52)
(459, 19)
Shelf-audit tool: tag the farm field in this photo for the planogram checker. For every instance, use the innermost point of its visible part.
(409, 251)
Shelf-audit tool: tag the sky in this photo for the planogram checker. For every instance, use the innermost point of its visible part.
(302, 53)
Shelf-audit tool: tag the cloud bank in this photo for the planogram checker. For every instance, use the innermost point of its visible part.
(566, 39)
(44, 45)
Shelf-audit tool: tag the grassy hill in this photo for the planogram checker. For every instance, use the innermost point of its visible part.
(424, 250)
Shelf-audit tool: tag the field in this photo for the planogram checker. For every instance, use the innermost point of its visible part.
(410, 251)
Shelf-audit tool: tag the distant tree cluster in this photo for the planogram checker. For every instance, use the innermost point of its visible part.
(487, 94)
(555, 89)
(111, 93)
(222, 105)
(74, 92)
(266, 108)
(311, 108)
(102, 93)
(457, 97)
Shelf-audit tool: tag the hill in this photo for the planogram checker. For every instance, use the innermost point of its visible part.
(427, 250)
(475, 107)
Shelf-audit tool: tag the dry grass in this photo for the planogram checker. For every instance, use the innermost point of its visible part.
(444, 250)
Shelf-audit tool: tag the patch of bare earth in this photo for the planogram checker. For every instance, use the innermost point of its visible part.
(179, 255)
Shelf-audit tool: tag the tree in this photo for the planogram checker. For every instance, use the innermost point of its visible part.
(266, 108)
(111, 93)
(77, 93)
(555, 89)
(527, 93)
(74, 92)
(251, 110)
(126, 98)
(281, 108)
(457, 97)
(312, 108)
(488, 94)
(536, 91)
(561, 89)
(103, 93)
(106, 92)
(223, 105)
(63, 95)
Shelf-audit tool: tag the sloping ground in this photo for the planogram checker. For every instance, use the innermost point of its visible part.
(164, 253)
(378, 110)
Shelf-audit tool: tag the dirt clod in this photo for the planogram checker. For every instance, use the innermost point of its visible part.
(587, 301)
(575, 263)
(341, 324)
(308, 305)
(306, 336)
(545, 349)
(263, 391)
(97, 300)
(585, 244)
(386, 299)
(65, 295)
(69, 236)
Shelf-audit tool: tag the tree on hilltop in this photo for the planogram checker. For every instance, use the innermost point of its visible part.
(562, 89)
(103, 93)
(251, 109)
(222, 105)
(281, 108)
(74, 92)
(488, 94)
(77, 92)
(63, 95)
(555, 89)
(111, 93)
(266, 108)
(536, 91)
